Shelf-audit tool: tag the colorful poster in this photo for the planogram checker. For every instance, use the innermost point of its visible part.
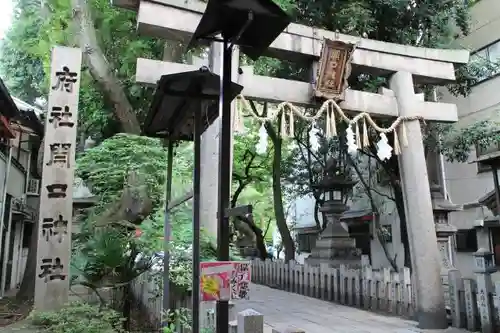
(224, 280)
(240, 280)
(215, 280)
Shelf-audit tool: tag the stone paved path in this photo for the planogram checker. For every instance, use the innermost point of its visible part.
(316, 316)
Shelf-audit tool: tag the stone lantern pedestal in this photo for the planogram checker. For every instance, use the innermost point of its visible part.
(334, 246)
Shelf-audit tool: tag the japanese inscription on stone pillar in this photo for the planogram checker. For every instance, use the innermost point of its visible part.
(56, 195)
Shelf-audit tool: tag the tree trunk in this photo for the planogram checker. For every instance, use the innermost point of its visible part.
(286, 237)
(99, 67)
(400, 206)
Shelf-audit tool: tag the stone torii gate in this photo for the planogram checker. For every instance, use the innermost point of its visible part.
(406, 65)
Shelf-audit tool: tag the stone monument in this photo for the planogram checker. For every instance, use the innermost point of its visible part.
(56, 195)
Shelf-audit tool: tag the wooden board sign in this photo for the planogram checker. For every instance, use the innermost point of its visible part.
(334, 69)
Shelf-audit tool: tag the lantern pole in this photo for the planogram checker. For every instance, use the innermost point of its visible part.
(196, 222)
(166, 230)
(224, 177)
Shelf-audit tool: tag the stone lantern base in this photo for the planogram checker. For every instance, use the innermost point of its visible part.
(334, 246)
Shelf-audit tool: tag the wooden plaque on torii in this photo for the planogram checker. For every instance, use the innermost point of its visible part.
(334, 69)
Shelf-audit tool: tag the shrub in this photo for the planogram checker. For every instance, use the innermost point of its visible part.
(78, 318)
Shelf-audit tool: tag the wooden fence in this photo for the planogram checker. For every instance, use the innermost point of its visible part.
(380, 291)
(474, 303)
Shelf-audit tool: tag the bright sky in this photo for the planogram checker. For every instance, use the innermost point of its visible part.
(5, 16)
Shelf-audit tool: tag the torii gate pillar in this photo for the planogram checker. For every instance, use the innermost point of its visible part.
(426, 263)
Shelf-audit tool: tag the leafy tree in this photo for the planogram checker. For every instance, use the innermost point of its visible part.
(23, 80)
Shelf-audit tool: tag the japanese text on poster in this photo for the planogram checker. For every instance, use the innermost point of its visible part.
(224, 280)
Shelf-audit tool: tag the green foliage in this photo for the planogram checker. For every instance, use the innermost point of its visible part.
(179, 319)
(102, 257)
(106, 255)
(455, 143)
(107, 165)
(180, 249)
(22, 73)
(25, 55)
(78, 318)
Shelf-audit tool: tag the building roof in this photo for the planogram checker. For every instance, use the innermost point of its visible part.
(23, 106)
(8, 107)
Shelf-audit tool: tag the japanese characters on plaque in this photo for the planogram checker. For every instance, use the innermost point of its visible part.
(334, 69)
(56, 195)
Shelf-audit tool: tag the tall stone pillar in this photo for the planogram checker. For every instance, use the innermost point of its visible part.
(426, 261)
(52, 279)
(210, 151)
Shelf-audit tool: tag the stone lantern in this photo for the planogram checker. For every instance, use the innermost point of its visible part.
(484, 268)
(441, 208)
(334, 246)
(484, 263)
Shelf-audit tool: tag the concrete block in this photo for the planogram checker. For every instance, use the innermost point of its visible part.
(250, 321)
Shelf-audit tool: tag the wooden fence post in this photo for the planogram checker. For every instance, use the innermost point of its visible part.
(324, 270)
(366, 281)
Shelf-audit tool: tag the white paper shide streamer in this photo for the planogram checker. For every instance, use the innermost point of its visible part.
(384, 149)
(352, 147)
(261, 146)
(313, 138)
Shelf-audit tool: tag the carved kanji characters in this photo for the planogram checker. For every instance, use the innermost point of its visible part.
(47, 228)
(60, 154)
(57, 227)
(51, 269)
(65, 80)
(57, 190)
(61, 117)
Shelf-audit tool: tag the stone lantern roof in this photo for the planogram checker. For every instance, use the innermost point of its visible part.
(440, 203)
(82, 196)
